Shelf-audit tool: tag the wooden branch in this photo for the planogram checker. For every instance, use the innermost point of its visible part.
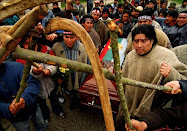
(132, 5)
(29, 55)
(21, 28)
(118, 75)
(23, 83)
(11, 7)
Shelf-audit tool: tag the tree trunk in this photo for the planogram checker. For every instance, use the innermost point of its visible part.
(11, 7)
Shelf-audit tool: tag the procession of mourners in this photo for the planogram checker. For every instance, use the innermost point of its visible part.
(152, 48)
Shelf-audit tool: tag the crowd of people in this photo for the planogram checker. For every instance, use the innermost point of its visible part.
(156, 53)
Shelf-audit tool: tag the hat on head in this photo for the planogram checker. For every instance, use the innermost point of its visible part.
(172, 5)
(97, 2)
(67, 32)
(140, 8)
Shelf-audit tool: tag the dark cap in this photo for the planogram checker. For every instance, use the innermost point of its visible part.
(172, 5)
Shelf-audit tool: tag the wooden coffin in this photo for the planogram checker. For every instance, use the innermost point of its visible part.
(89, 95)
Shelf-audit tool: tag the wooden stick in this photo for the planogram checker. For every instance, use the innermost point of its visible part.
(118, 75)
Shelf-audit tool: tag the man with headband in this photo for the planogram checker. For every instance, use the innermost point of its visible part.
(145, 18)
(181, 32)
(71, 48)
(87, 23)
(99, 26)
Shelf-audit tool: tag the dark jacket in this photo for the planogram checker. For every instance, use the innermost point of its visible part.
(126, 28)
(180, 37)
(10, 78)
(174, 116)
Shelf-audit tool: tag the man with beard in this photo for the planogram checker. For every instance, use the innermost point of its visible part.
(99, 26)
(168, 24)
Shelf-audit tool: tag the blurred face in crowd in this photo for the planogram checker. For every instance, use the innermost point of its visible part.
(77, 2)
(169, 20)
(96, 16)
(185, 3)
(144, 21)
(161, 15)
(142, 44)
(171, 8)
(164, 5)
(150, 5)
(26, 43)
(125, 17)
(97, 4)
(55, 6)
(115, 2)
(101, 4)
(105, 15)
(88, 25)
(135, 14)
(120, 10)
(181, 20)
(69, 40)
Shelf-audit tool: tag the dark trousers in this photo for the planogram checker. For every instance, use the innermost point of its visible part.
(56, 108)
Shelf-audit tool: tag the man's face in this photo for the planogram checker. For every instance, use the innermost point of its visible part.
(171, 8)
(161, 15)
(181, 20)
(115, 1)
(55, 6)
(185, 3)
(135, 14)
(121, 9)
(164, 5)
(105, 15)
(150, 5)
(96, 16)
(142, 44)
(77, 2)
(169, 19)
(70, 40)
(97, 4)
(26, 43)
(144, 22)
(125, 17)
(88, 25)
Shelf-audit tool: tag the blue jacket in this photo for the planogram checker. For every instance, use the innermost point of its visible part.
(10, 78)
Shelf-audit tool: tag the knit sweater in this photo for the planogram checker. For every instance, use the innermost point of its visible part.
(147, 69)
(181, 53)
(10, 78)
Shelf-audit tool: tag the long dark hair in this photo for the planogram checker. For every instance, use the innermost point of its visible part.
(148, 30)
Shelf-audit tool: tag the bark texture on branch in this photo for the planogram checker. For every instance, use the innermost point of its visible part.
(77, 66)
(118, 75)
(11, 7)
(21, 28)
(23, 83)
